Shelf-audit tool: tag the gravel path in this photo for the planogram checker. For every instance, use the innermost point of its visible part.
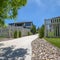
(42, 50)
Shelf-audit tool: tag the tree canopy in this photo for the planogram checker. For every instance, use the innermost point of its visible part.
(9, 9)
(33, 29)
(41, 31)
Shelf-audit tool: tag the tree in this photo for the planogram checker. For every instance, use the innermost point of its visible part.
(15, 34)
(37, 29)
(9, 9)
(41, 31)
(33, 29)
(19, 33)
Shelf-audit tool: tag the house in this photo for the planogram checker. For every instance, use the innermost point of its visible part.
(24, 27)
(52, 27)
(27, 25)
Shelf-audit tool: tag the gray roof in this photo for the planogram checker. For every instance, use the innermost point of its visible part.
(19, 22)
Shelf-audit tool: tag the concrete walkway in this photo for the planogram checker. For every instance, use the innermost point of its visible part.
(17, 49)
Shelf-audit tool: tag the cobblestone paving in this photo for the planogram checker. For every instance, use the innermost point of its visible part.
(42, 50)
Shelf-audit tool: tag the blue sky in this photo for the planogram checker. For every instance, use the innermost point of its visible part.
(38, 10)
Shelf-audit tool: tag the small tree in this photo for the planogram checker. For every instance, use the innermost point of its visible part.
(33, 29)
(29, 33)
(15, 34)
(41, 32)
(19, 33)
(37, 30)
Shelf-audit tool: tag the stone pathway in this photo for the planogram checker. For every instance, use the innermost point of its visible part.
(42, 50)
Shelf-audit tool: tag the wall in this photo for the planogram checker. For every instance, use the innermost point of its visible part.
(9, 31)
(52, 27)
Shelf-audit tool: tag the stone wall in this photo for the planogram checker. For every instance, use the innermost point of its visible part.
(9, 31)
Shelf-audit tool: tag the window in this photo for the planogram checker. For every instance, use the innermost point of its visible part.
(27, 24)
(59, 19)
(55, 20)
(51, 21)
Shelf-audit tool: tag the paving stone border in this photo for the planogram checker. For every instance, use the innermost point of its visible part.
(43, 50)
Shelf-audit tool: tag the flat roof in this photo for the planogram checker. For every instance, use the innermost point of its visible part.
(20, 22)
(52, 18)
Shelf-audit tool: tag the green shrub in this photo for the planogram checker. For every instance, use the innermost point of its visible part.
(15, 34)
(19, 33)
(37, 31)
(33, 29)
(41, 32)
(29, 33)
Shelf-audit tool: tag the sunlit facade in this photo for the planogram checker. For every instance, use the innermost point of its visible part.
(52, 27)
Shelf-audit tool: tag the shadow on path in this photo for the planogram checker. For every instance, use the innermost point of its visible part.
(8, 53)
(1, 44)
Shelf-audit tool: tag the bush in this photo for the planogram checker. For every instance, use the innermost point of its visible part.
(15, 34)
(33, 29)
(41, 32)
(37, 30)
(29, 33)
(19, 33)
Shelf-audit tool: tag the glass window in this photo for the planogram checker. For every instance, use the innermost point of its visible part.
(55, 20)
(51, 21)
(58, 19)
(27, 24)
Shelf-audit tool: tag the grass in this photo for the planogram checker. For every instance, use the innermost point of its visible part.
(2, 37)
(54, 41)
(51, 34)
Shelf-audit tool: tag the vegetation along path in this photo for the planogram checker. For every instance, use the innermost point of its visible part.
(42, 50)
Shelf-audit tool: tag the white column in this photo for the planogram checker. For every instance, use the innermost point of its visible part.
(45, 29)
(59, 30)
